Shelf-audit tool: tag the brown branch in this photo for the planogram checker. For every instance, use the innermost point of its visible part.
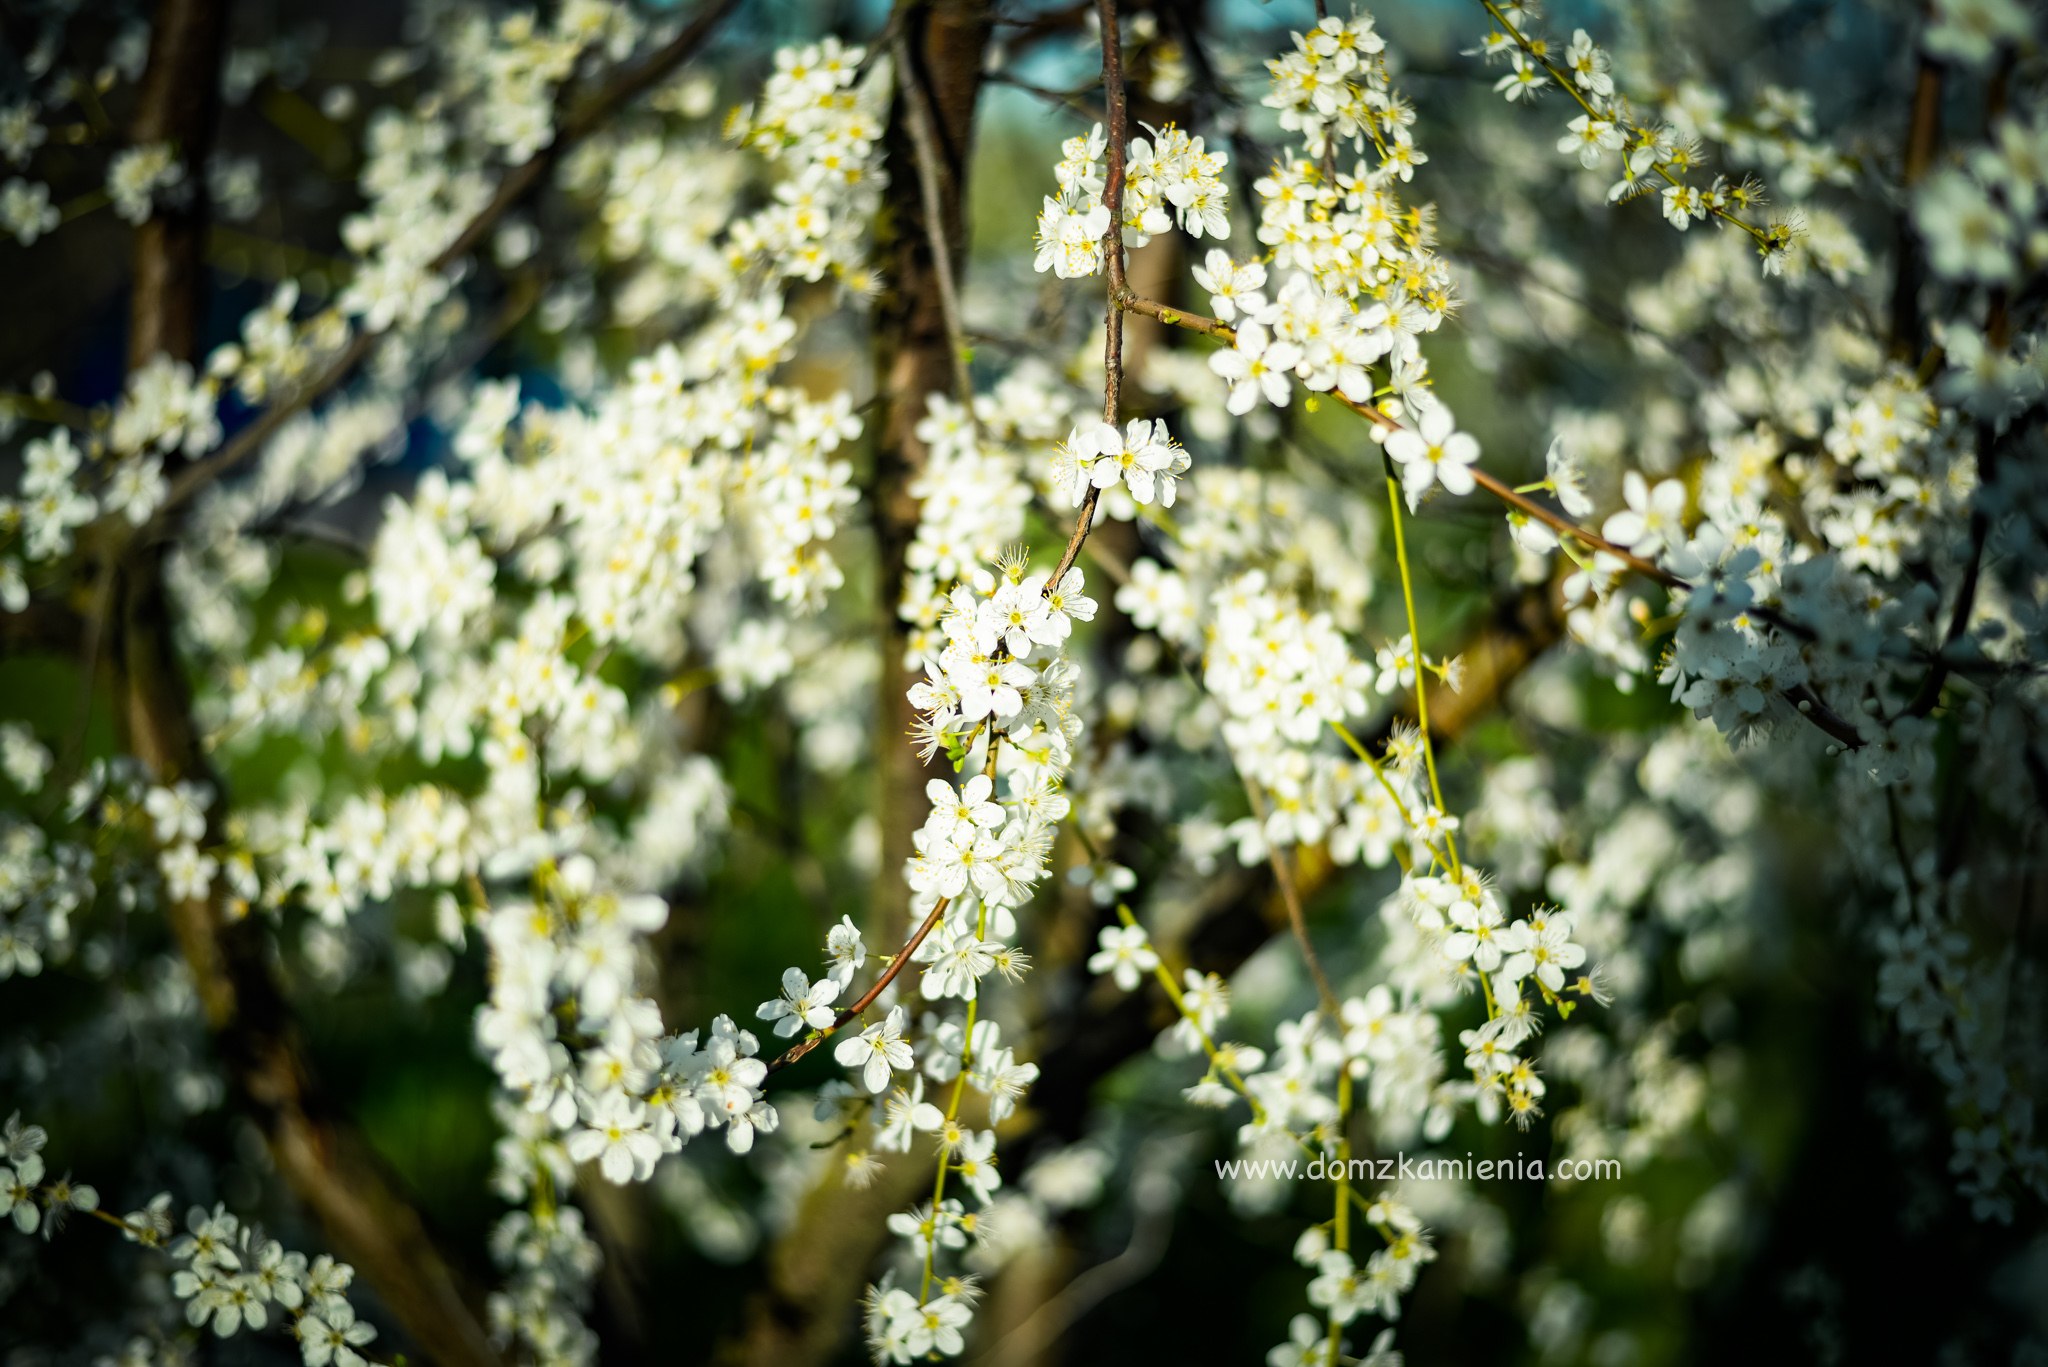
(624, 87)
(1557, 522)
(178, 103)
(188, 483)
(1119, 137)
(867, 998)
(1181, 318)
(1923, 139)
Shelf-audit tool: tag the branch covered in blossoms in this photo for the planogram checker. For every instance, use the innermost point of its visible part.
(866, 805)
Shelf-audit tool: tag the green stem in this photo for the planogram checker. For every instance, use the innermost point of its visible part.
(952, 1113)
(1407, 818)
(1571, 88)
(1436, 791)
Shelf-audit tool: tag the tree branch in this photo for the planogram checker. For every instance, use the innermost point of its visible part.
(178, 103)
(1297, 918)
(621, 90)
(917, 121)
(867, 998)
(317, 1152)
(941, 51)
(1119, 137)
(1923, 139)
(802, 1315)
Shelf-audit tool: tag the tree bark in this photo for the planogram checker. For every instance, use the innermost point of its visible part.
(947, 40)
(178, 103)
(816, 1270)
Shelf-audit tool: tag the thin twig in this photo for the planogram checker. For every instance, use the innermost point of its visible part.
(924, 141)
(1071, 101)
(867, 998)
(1617, 114)
(1153, 1196)
(1436, 791)
(1290, 895)
(1119, 136)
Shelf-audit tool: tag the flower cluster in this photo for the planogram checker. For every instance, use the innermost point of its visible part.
(1143, 458)
(973, 491)
(1810, 499)
(1982, 217)
(984, 676)
(1386, 1052)
(1353, 280)
(230, 1277)
(1655, 158)
(233, 1278)
(428, 169)
(1168, 179)
(1304, 334)
(1331, 89)
(1282, 674)
(629, 1093)
(819, 118)
(165, 411)
(1000, 681)
(26, 212)
(141, 175)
